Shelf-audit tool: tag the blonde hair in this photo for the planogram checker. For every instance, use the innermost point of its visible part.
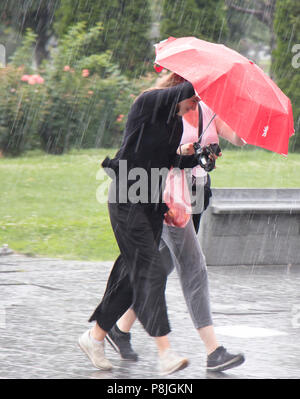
(166, 81)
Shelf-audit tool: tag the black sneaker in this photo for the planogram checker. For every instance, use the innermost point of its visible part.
(221, 360)
(120, 341)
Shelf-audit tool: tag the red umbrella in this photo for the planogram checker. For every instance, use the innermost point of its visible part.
(234, 87)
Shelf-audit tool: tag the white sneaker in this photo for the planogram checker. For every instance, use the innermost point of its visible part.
(169, 362)
(95, 351)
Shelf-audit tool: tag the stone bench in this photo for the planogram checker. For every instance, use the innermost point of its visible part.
(252, 227)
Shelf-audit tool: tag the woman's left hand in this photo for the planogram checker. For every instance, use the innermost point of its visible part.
(186, 149)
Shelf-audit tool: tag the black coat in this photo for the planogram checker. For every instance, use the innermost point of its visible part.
(153, 133)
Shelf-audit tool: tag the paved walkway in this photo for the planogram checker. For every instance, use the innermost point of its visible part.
(45, 304)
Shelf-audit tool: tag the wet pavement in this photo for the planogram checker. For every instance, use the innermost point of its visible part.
(45, 305)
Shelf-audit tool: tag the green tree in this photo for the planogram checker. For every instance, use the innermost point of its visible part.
(262, 10)
(254, 21)
(246, 31)
(201, 18)
(286, 65)
(24, 54)
(34, 14)
(126, 25)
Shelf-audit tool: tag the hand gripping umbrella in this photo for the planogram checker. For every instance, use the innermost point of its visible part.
(234, 87)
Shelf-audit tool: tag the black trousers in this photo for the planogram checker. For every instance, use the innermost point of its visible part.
(137, 279)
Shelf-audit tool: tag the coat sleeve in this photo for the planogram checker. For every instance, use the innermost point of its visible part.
(184, 161)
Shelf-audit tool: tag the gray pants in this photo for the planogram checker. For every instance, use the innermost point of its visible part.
(180, 247)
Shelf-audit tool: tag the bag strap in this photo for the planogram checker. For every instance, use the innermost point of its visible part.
(201, 123)
(201, 133)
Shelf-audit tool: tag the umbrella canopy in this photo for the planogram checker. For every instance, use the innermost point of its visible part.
(234, 87)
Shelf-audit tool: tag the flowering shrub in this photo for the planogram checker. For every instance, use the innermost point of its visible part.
(85, 95)
(20, 112)
(74, 99)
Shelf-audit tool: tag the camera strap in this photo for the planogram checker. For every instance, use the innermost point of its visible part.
(201, 131)
(200, 135)
(200, 126)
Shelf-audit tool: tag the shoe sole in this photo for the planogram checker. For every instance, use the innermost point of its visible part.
(237, 361)
(88, 355)
(176, 368)
(115, 347)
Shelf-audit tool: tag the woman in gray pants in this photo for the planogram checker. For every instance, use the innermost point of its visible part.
(180, 248)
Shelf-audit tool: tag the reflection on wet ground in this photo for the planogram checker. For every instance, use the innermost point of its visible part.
(45, 304)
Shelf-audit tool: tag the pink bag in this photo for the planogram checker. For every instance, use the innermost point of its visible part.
(177, 198)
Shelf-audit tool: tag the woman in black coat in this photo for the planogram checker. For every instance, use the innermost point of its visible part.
(151, 139)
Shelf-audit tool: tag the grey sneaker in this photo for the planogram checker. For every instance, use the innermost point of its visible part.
(221, 360)
(120, 341)
(95, 351)
(170, 362)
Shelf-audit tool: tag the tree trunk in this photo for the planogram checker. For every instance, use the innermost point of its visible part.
(40, 51)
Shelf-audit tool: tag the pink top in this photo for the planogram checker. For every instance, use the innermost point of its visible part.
(190, 131)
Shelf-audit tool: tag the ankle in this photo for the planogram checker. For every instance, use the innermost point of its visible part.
(163, 351)
(211, 350)
(163, 344)
(96, 336)
(119, 331)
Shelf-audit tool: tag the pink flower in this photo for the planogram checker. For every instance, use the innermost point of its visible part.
(31, 80)
(120, 118)
(38, 79)
(85, 73)
(90, 92)
(25, 78)
(67, 68)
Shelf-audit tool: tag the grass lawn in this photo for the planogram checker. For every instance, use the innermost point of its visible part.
(48, 204)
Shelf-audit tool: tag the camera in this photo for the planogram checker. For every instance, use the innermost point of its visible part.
(205, 154)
